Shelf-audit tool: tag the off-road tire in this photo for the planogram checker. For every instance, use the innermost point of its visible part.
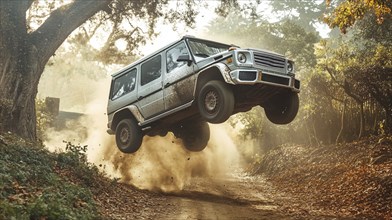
(216, 102)
(128, 136)
(282, 108)
(195, 135)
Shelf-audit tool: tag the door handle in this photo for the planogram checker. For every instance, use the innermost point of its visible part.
(166, 85)
(140, 97)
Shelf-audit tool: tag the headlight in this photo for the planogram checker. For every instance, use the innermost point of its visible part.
(241, 58)
(290, 67)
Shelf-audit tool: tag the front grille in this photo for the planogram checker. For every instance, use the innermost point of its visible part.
(276, 79)
(247, 75)
(269, 60)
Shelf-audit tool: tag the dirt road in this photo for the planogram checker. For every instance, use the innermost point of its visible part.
(233, 197)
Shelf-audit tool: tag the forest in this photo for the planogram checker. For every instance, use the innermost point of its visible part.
(346, 74)
(68, 49)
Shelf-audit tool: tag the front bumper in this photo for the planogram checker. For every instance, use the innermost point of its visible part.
(254, 76)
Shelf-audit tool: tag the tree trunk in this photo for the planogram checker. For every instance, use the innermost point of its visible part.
(341, 122)
(388, 121)
(19, 72)
(315, 134)
(19, 88)
(361, 121)
(24, 55)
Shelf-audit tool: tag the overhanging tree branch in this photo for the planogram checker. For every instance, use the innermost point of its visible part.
(60, 24)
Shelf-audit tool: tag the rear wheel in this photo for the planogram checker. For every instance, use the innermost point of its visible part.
(216, 101)
(194, 134)
(282, 108)
(128, 136)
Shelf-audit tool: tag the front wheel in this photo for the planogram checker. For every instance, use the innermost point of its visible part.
(215, 102)
(128, 136)
(283, 108)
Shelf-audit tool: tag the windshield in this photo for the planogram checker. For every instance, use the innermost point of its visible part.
(202, 49)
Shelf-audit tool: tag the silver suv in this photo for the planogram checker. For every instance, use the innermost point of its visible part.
(192, 81)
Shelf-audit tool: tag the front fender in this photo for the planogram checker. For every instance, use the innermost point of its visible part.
(224, 70)
(217, 71)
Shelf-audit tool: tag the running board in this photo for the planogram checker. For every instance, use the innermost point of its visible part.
(155, 118)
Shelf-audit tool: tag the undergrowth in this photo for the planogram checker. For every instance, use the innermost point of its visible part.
(38, 184)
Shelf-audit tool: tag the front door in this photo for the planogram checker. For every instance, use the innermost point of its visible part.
(150, 93)
(178, 84)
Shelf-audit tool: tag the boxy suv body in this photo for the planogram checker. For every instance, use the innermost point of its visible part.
(192, 81)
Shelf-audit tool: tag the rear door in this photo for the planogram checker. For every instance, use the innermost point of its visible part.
(178, 82)
(150, 93)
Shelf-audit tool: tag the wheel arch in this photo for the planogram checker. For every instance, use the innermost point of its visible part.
(131, 112)
(218, 71)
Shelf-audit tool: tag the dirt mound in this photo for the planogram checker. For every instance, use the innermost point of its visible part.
(349, 180)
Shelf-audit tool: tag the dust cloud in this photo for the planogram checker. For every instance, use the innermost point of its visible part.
(161, 163)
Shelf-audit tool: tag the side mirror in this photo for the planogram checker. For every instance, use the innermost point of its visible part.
(184, 58)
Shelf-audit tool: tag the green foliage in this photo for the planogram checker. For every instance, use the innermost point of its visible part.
(373, 73)
(303, 13)
(349, 11)
(128, 22)
(371, 33)
(74, 158)
(55, 204)
(358, 70)
(37, 184)
(250, 123)
(132, 23)
(76, 153)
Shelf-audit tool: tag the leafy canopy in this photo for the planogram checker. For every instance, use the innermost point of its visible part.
(348, 12)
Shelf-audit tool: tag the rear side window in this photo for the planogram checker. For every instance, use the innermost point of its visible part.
(151, 70)
(124, 84)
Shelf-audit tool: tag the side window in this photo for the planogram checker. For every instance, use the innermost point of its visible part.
(151, 70)
(124, 84)
(172, 56)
